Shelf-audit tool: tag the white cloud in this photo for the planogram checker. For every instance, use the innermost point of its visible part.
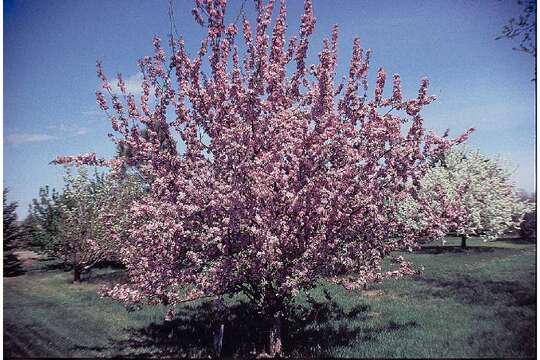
(62, 130)
(81, 131)
(133, 84)
(69, 129)
(21, 138)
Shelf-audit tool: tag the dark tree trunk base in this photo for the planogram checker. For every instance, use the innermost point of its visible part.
(76, 276)
(218, 339)
(275, 338)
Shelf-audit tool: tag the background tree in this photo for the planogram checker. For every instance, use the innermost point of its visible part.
(286, 177)
(114, 209)
(528, 225)
(12, 233)
(523, 28)
(81, 237)
(93, 213)
(485, 202)
(42, 223)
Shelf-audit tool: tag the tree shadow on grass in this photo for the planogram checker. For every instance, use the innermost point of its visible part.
(113, 276)
(517, 240)
(371, 333)
(51, 265)
(12, 265)
(107, 273)
(455, 249)
(310, 330)
(513, 304)
(470, 290)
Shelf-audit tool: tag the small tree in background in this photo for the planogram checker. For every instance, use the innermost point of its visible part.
(81, 234)
(42, 223)
(483, 199)
(93, 214)
(283, 177)
(12, 233)
(528, 225)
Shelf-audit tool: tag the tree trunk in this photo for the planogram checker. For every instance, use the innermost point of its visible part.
(76, 274)
(275, 337)
(463, 241)
(218, 339)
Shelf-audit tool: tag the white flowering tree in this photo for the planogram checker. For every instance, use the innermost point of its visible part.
(481, 198)
(92, 207)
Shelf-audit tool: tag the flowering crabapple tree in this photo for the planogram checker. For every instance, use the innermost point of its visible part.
(274, 174)
(93, 212)
(486, 202)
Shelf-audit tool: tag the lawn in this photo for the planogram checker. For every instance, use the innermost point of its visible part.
(479, 302)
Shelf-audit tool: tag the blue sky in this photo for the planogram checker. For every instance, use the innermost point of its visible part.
(50, 49)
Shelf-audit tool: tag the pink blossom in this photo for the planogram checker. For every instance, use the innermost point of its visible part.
(101, 101)
(197, 16)
(381, 78)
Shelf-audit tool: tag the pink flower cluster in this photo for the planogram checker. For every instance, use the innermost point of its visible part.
(84, 159)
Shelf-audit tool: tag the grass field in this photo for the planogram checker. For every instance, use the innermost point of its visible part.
(480, 302)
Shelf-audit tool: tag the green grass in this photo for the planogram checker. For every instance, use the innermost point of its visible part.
(475, 303)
